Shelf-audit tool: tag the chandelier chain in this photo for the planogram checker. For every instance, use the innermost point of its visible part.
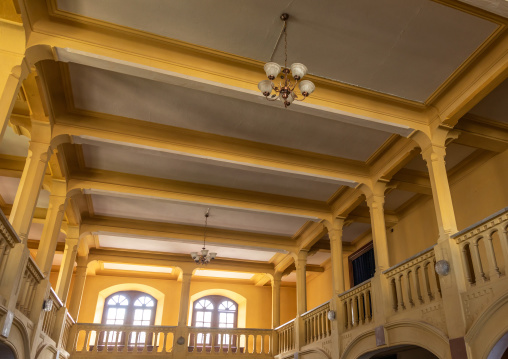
(207, 214)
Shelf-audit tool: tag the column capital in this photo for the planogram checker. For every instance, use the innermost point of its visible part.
(276, 278)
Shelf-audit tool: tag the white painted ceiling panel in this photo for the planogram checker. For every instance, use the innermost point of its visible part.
(137, 268)
(318, 258)
(133, 97)
(13, 144)
(495, 105)
(397, 198)
(402, 47)
(177, 247)
(354, 230)
(138, 161)
(222, 274)
(9, 187)
(150, 209)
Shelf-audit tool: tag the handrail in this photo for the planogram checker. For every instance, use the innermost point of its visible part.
(354, 288)
(472, 227)
(316, 324)
(7, 233)
(315, 308)
(426, 250)
(283, 325)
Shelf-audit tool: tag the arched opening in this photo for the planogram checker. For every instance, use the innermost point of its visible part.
(6, 352)
(400, 352)
(500, 350)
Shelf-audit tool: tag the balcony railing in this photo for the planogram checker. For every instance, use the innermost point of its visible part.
(414, 281)
(481, 265)
(32, 277)
(48, 324)
(316, 324)
(8, 239)
(125, 339)
(357, 304)
(237, 341)
(286, 337)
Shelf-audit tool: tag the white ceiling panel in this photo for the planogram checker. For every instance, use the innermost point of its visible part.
(142, 99)
(13, 144)
(9, 187)
(180, 247)
(318, 258)
(354, 230)
(222, 274)
(144, 162)
(35, 233)
(151, 209)
(402, 47)
(137, 268)
(397, 198)
(495, 105)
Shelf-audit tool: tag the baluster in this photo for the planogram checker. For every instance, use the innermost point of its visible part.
(416, 280)
(503, 239)
(438, 283)
(230, 339)
(427, 281)
(398, 286)
(465, 260)
(361, 307)
(193, 338)
(346, 323)
(255, 349)
(477, 262)
(127, 337)
(368, 306)
(350, 312)
(354, 305)
(86, 346)
(491, 255)
(96, 341)
(409, 293)
(393, 291)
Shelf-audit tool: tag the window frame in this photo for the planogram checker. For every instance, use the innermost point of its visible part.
(131, 296)
(216, 300)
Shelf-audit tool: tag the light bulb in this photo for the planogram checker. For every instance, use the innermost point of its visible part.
(272, 69)
(298, 71)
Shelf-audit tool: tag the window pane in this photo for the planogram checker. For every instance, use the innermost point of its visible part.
(199, 316)
(231, 317)
(120, 313)
(147, 314)
(222, 318)
(111, 313)
(138, 314)
(208, 316)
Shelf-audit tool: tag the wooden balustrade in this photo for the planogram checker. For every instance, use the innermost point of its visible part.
(8, 239)
(316, 324)
(484, 248)
(357, 304)
(48, 323)
(125, 339)
(69, 322)
(237, 341)
(414, 281)
(32, 277)
(286, 336)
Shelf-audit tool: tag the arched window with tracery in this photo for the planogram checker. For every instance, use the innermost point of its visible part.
(214, 311)
(128, 308)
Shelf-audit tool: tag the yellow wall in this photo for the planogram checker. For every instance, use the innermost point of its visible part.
(258, 307)
(319, 288)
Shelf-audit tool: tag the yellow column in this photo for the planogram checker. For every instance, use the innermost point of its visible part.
(276, 299)
(29, 187)
(301, 282)
(335, 234)
(52, 226)
(375, 201)
(434, 155)
(184, 299)
(67, 266)
(13, 69)
(79, 286)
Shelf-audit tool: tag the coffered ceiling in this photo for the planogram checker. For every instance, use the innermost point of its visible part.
(406, 48)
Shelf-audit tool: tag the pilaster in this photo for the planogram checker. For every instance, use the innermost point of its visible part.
(13, 68)
(68, 260)
(52, 226)
(79, 286)
(179, 345)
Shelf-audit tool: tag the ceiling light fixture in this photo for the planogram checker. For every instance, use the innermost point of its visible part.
(204, 257)
(286, 89)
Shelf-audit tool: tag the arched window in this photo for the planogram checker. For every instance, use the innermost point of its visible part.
(128, 308)
(214, 311)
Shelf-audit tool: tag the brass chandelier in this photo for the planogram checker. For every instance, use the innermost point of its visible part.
(203, 258)
(285, 91)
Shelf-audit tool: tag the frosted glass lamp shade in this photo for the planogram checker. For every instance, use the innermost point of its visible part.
(194, 255)
(289, 99)
(272, 69)
(306, 87)
(213, 255)
(265, 87)
(298, 70)
(204, 252)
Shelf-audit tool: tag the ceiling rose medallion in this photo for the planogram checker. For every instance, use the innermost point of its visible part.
(285, 91)
(203, 258)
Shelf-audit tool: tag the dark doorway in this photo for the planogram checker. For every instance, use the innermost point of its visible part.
(361, 265)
